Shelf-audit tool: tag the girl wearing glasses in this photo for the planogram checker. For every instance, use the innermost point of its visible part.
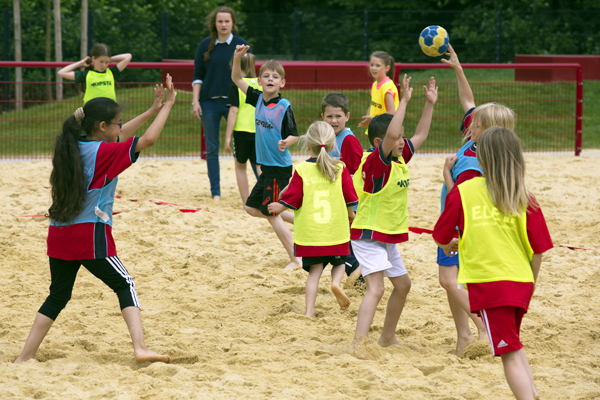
(92, 150)
(98, 78)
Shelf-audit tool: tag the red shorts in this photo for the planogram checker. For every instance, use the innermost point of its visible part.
(503, 325)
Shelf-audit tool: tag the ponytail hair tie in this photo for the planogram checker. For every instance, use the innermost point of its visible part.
(322, 145)
(79, 114)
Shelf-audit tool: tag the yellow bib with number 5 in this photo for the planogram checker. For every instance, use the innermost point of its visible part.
(322, 220)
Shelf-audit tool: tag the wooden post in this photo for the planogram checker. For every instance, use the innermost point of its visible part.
(18, 55)
(58, 48)
(49, 95)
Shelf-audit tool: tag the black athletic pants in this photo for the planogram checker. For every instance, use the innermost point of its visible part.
(109, 270)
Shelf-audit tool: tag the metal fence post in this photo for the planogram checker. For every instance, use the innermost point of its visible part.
(498, 33)
(6, 57)
(90, 30)
(366, 35)
(296, 32)
(164, 35)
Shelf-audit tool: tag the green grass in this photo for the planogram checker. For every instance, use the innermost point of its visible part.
(30, 133)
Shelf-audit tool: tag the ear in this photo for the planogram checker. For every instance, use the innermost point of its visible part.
(348, 116)
(258, 81)
(321, 115)
(102, 126)
(376, 142)
(282, 83)
(387, 68)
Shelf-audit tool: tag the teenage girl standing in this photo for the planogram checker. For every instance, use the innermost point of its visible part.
(92, 150)
(99, 80)
(384, 93)
(322, 195)
(241, 124)
(502, 237)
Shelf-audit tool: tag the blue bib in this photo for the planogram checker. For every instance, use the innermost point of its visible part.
(268, 134)
(463, 163)
(339, 139)
(102, 198)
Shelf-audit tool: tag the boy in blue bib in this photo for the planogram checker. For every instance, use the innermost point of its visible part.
(275, 131)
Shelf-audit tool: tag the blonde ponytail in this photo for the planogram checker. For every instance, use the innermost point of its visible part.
(320, 138)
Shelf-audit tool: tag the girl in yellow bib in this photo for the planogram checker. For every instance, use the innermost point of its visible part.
(502, 235)
(384, 93)
(322, 195)
(241, 125)
(99, 80)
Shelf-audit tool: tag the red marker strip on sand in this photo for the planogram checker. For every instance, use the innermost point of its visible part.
(420, 230)
(568, 246)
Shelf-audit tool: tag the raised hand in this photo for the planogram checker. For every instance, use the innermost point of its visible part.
(86, 62)
(159, 92)
(406, 89)
(240, 50)
(171, 93)
(365, 121)
(453, 61)
(431, 92)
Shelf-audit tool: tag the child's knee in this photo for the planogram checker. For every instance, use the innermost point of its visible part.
(376, 291)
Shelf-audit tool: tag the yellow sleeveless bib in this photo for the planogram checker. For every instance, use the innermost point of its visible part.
(323, 218)
(385, 211)
(245, 121)
(493, 246)
(378, 97)
(99, 85)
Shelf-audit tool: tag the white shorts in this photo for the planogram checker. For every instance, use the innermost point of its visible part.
(375, 256)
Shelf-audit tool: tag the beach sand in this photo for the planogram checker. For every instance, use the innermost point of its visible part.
(214, 296)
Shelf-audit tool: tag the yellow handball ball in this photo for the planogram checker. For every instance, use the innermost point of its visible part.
(434, 41)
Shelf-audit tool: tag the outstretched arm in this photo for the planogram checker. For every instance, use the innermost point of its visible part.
(152, 133)
(68, 71)
(122, 60)
(422, 130)
(231, 119)
(394, 128)
(236, 70)
(464, 89)
(130, 127)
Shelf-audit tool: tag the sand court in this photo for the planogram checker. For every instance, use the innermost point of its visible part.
(215, 297)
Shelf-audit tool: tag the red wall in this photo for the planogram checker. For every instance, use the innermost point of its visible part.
(590, 66)
(322, 74)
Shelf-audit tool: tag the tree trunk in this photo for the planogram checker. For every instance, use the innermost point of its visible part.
(58, 47)
(49, 49)
(84, 28)
(18, 54)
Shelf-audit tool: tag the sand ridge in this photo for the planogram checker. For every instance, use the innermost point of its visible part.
(215, 298)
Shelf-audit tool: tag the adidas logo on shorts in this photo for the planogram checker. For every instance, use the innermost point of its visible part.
(502, 344)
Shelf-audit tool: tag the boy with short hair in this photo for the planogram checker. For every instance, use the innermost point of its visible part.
(275, 131)
(335, 110)
(381, 222)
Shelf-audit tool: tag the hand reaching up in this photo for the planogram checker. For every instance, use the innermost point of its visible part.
(431, 92)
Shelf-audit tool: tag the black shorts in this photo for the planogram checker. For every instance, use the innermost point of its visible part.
(266, 191)
(351, 262)
(244, 147)
(325, 260)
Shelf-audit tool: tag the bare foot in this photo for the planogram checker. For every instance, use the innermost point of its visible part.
(217, 198)
(352, 278)
(341, 297)
(294, 264)
(387, 342)
(309, 315)
(461, 343)
(22, 358)
(359, 350)
(148, 355)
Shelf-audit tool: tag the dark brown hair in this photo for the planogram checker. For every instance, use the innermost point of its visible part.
(98, 50)
(211, 24)
(68, 180)
(337, 100)
(387, 60)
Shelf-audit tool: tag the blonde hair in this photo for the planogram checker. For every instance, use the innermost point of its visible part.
(501, 158)
(320, 137)
(493, 114)
(247, 64)
(272, 65)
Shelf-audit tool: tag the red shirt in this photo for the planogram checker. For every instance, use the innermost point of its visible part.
(292, 198)
(351, 153)
(376, 172)
(88, 241)
(500, 293)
